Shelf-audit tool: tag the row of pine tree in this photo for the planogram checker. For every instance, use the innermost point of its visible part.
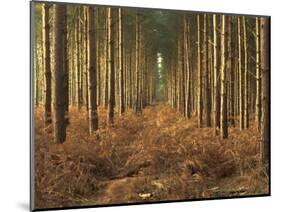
(216, 67)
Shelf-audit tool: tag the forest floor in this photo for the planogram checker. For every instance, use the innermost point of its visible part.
(156, 156)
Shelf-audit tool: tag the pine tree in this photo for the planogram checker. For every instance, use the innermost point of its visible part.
(110, 65)
(92, 76)
(46, 61)
(59, 100)
(199, 77)
(223, 113)
(265, 73)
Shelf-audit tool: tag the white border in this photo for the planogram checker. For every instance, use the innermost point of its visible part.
(14, 106)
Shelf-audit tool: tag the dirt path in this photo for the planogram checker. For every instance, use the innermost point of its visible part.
(172, 159)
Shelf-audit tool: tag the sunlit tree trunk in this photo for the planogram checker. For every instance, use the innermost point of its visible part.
(111, 71)
(86, 66)
(241, 96)
(78, 62)
(121, 64)
(187, 88)
(265, 73)
(258, 77)
(36, 79)
(231, 66)
(223, 113)
(199, 76)
(206, 73)
(105, 92)
(137, 61)
(246, 83)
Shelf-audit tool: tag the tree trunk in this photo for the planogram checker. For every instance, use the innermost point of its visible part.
(231, 61)
(187, 87)
(137, 61)
(86, 50)
(246, 83)
(65, 69)
(46, 62)
(111, 71)
(206, 72)
(258, 77)
(223, 113)
(105, 93)
(215, 67)
(92, 76)
(199, 71)
(36, 77)
(121, 64)
(78, 66)
(241, 96)
(265, 77)
(59, 100)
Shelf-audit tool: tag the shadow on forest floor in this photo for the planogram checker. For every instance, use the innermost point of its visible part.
(156, 156)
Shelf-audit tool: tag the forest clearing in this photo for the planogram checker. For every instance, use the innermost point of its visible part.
(133, 105)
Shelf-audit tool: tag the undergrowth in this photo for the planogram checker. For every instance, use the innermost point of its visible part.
(156, 156)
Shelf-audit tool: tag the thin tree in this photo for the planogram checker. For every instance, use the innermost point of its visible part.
(65, 71)
(258, 77)
(206, 73)
(121, 64)
(241, 96)
(215, 73)
(46, 61)
(199, 76)
(78, 61)
(223, 113)
(231, 66)
(105, 93)
(246, 95)
(137, 62)
(187, 87)
(111, 71)
(86, 62)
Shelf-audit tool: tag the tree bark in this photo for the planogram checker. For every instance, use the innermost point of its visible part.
(187, 87)
(86, 62)
(78, 62)
(241, 96)
(246, 83)
(215, 70)
(199, 76)
(137, 61)
(232, 62)
(121, 63)
(206, 73)
(111, 71)
(265, 77)
(46, 62)
(258, 77)
(59, 100)
(223, 113)
(92, 76)
(65, 69)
